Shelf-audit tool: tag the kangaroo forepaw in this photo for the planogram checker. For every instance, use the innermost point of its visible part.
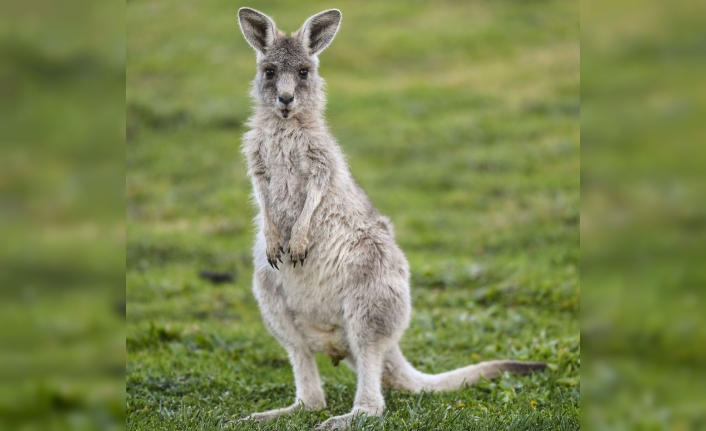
(298, 250)
(274, 251)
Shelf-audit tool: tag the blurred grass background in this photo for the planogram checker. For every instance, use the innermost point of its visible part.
(643, 215)
(62, 224)
(461, 121)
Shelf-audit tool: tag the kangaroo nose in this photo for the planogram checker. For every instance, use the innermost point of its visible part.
(286, 99)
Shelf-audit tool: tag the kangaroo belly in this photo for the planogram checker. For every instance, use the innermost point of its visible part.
(317, 311)
(327, 339)
(322, 329)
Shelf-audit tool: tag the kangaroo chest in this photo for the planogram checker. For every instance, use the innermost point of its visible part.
(285, 168)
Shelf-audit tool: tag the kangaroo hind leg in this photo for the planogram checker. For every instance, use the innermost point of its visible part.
(280, 322)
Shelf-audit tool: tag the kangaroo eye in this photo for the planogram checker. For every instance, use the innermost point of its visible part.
(270, 73)
(304, 73)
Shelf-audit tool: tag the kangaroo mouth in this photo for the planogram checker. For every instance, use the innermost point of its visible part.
(285, 113)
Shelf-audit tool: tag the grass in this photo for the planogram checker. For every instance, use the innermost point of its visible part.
(461, 121)
(643, 329)
(62, 225)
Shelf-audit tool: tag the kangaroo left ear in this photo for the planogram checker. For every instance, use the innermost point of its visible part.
(319, 30)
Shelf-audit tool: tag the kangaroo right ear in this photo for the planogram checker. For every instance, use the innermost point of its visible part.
(258, 28)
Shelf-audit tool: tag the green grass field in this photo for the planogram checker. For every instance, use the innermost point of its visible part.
(460, 120)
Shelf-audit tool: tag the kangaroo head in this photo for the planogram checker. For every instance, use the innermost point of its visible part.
(287, 79)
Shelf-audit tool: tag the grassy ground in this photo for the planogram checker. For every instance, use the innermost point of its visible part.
(460, 120)
(62, 250)
(642, 249)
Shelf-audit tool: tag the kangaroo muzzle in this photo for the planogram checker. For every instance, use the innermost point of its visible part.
(285, 95)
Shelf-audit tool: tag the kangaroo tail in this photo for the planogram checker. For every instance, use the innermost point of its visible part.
(399, 374)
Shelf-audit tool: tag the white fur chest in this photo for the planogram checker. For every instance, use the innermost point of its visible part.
(285, 166)
(281, 151)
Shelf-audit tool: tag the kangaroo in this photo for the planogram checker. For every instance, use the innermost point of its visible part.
(349, 297)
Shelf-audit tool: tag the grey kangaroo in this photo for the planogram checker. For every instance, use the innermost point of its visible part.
(329, 276)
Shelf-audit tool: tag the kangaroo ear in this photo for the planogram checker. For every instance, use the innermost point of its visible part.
(258, 28)
(318, 31)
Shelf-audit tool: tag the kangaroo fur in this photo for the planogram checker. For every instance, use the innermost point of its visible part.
(328, 274)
